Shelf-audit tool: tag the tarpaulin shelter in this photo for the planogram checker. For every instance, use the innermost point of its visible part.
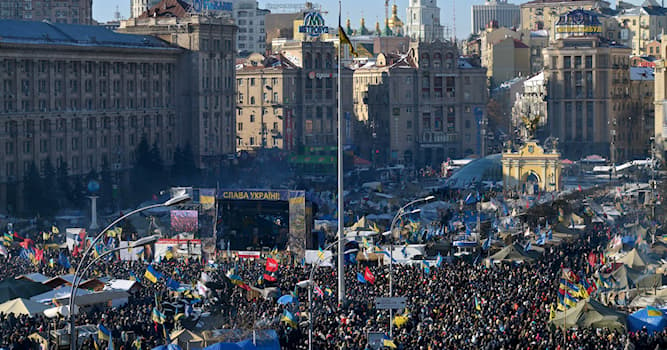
(35, 277)
(648, 300)
(168, 347)
(653, 319)
(11, 288)
(511, 253)
(238, 339)
(63, 292)
(186, 339)
(589, 313)
(621, 277)
(633, 260)
(20, 306)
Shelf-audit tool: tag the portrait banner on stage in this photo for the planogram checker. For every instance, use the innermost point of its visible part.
(184, 220)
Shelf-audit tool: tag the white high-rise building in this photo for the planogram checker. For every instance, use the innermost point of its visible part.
(140, 6)
(504, 14)
(423, 21)
(249, 18)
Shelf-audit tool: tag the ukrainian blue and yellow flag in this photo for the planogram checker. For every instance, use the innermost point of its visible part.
(151, 274)
(288, 318)
(207, 198)
(103, 333)
(157, 316)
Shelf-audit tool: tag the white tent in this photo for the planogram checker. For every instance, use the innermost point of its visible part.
(20, 306)
(63, 292)
(120, 284)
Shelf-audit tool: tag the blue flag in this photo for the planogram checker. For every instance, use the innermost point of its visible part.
(63, 260)
(172, 284)
(360, 278)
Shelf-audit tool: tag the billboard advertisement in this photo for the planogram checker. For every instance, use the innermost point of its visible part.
(211, 5)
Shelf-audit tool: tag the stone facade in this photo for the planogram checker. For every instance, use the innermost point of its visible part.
(74, 12)
(422, 107)
(588, 80)
(296, 89)
(207, 89)
(73, 100)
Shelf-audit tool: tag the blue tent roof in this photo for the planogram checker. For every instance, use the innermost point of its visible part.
(655, 322)
(266, 340)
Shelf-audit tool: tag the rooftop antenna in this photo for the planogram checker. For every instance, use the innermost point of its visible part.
(453, 20)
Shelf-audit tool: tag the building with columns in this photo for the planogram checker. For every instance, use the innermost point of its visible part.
(82, 96)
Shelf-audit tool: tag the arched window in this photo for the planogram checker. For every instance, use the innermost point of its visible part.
(437, 60)
(449, 60)
(425, 60)
(252, 100)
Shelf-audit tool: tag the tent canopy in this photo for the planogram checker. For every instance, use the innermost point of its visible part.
(590, 313)
(20, 306)
(653, 319)
(512, 253)
(235, 339)
(633, 260)
(11, 288)
(58, 293)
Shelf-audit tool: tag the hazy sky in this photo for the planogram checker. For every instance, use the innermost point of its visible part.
(372, 10)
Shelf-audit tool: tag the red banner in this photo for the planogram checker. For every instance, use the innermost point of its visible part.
(271, 265)
(369, 276)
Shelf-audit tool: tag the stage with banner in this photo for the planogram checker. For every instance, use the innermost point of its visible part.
(252, 219)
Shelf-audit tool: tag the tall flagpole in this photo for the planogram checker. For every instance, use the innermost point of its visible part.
(341, 211)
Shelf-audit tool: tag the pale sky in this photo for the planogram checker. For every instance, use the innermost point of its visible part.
(372, 10)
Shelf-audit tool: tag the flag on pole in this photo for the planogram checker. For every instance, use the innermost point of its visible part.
(345, 40)
(157, 316)
(389, 343)
(360, 278)
(151, 274)
(368, 276)
(271, 265)
(318, 291)
(288, 318)
(103, 333)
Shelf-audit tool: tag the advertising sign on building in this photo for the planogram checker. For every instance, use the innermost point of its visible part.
(313, 24)
(211, 5)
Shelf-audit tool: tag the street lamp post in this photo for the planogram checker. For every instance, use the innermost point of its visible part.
(75, 286)
(398, 215)
(78, 275)
(309, 284)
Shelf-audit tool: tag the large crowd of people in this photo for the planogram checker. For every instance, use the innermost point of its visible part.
(457, 305)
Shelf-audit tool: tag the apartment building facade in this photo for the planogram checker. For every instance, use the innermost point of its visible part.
(207, 68)
(422, 107)
(71, 99)
(588, 94)
(73, 12)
